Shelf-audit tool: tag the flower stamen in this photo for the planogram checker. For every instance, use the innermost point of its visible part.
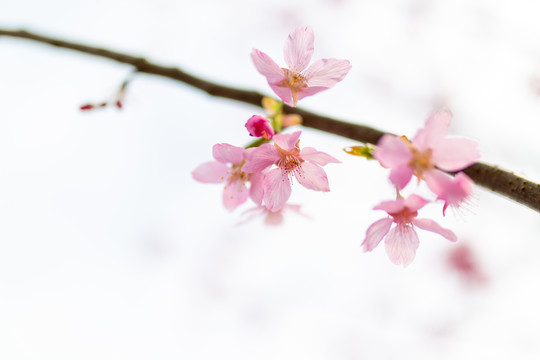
(421, 161)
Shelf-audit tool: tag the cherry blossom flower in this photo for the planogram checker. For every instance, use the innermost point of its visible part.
(259, 126)
(304, 165)
(234, 177)
(294, 83)
(429, 149)
(401, 242)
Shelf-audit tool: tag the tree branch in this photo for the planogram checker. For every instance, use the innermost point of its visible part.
(503, 182)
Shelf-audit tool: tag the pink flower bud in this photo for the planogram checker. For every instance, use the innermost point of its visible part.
(87, 107)
(258, 126)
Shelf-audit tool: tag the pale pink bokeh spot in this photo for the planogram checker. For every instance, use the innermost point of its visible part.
(464, 261)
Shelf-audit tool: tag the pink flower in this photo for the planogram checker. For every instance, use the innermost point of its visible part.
(453, 191)
(285, 153)
(258, 126)
(430, 149)
(295, 83)
(402, 241)
(235, 179)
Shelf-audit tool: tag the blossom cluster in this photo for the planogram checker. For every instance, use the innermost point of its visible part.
(264, 170)
(271, 167)
(426, 157)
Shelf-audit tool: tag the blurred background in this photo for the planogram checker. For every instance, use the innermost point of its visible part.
(110, 250)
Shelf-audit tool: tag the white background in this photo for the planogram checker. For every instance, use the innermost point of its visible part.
(110, 250)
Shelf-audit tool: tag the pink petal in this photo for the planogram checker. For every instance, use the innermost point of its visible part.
(434, 131)
(226, 153)
(211, 172)
(437, 181)
(261, 158)
(267, 67)
(277, 189)
(283, 92)
(415, 202)
(274, 75)
(327, 72)
(299, 49)
(452, 190)
(317, 157)
(465, 183)
(312, 177)
(391, 206)
(453, 154)
(401, 175)
(401, 244)
(256, 190)
(375, 233)
(308, 91)
(287, 141)
(235, 193)
(430, 225)
(248, 153)
(392, 151)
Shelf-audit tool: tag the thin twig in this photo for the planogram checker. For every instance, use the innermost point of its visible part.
(503, 182)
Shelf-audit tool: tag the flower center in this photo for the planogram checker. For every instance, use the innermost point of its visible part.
(405, 216)
(289, 163)
(295, 82)
(289, 160)
(421, 160)
(236, 174)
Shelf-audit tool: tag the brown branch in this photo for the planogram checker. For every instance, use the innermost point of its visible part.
(503, 182)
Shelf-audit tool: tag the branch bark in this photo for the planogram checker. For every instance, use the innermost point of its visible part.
(491, 177)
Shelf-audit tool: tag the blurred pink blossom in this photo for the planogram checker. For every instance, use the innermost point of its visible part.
(285, 153)
(464, 262)
(294, 83)
(234, 177)
(271, 218)
(402, 241)
(453, 191)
